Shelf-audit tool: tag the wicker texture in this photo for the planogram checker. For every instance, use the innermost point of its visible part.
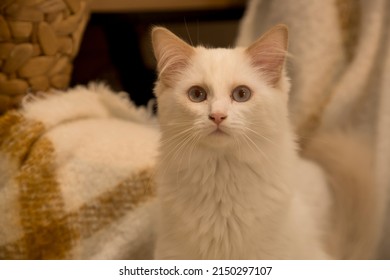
(38, 42)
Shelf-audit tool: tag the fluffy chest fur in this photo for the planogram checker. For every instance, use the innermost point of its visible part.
(224, 208)
(218, 209)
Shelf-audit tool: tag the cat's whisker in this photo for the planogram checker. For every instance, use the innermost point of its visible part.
(180, 142)
(258, 149)
(237, 142)
(253, 121)
(188, 32)
(184, 145)
(185, 123)
(182, 137)
(172, 153)
(240, 125)
(259, 135)
(255, 150)
(196, 139)
(172, 147)
(176, 143)
(175, 136)
(176, 127)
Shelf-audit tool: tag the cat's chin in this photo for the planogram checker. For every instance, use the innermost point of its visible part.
(219, 133)
(218, 139)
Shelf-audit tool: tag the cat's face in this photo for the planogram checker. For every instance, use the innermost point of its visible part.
(221, 97)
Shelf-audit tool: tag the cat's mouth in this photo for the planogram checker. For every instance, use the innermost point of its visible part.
(219, 132)
(218, 137)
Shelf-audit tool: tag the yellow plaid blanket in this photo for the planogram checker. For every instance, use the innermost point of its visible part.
(75, 177)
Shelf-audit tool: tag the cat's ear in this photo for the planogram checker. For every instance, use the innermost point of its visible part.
(268, 53)
(171, 52)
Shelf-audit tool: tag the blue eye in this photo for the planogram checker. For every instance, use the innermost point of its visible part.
(197, 94)
(241, 94)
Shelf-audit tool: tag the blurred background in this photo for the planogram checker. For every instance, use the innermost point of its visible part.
(116, 46)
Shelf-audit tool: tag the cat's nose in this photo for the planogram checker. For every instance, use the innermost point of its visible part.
(217, 117)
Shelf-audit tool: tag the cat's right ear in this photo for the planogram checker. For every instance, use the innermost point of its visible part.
(171, 52)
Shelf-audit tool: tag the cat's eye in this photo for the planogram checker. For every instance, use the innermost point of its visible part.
(197, 94)
(241, 94)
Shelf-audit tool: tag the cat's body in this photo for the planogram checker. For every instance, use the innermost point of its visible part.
(218, 206)
(231, 184)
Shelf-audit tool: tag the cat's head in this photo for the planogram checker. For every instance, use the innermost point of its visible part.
(222, 97)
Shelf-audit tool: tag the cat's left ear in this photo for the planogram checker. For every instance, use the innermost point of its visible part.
(268, 53)
(171, 52)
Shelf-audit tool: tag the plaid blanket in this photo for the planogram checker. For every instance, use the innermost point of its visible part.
(75, 177)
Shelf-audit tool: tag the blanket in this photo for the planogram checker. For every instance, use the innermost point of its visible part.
(76, 172)
(339, 65)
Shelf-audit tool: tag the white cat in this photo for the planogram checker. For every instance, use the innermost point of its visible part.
(231, 184)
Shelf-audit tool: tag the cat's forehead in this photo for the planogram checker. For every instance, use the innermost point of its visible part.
(220, 64)
(219, 55)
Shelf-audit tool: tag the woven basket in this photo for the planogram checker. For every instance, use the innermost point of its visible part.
(38, 42)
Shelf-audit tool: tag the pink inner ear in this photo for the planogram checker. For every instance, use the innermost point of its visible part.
(268, 53)
(173, 61)
(270, 64)
(172, 54)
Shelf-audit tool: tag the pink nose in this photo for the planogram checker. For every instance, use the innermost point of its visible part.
(217, 117)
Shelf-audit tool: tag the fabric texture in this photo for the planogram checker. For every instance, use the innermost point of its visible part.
(339, 66)
(76, 174)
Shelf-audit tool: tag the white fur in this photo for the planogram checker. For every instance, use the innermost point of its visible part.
(241, 195)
